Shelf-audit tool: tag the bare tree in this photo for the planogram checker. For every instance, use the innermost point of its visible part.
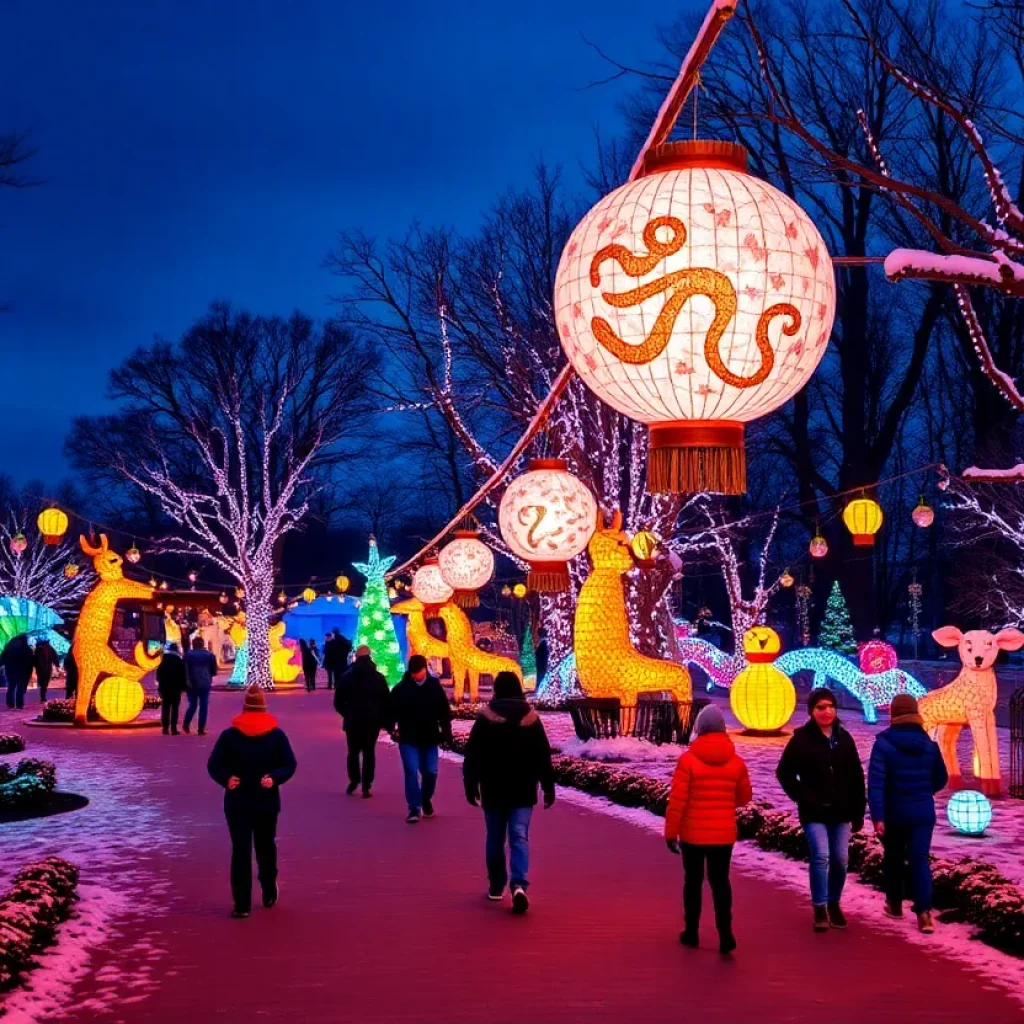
(232, 432)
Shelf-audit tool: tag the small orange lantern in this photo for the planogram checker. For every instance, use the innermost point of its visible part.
(309, 595)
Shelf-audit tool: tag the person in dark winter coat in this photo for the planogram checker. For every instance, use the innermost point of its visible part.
(18, 662)
(822, 773)
(423, 719)
(200, 671)
(904, 774)
(309, 665)
(70, 675)
(252, 760)
(171, 684)
(507, 757)
(45, 661)
(362, 700)
(337, 648)
(710, 782)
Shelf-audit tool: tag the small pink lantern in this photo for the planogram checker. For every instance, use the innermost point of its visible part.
(877, 656)
(133, 555)
(18, 543)
(818, 546)
(923, 515)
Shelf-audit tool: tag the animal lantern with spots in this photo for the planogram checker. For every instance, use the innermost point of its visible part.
(607, 663)
(468, 661)
(695, 299)
(970, 700)
(93, 654)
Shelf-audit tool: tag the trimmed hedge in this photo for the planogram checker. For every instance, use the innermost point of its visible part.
(27, 785)
(967, 890)
(41, 896)
(64, 710)
(11, 743)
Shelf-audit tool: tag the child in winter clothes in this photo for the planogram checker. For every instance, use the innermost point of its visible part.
(709, 783)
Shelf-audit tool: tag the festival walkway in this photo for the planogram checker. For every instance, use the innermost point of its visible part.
(383, 921)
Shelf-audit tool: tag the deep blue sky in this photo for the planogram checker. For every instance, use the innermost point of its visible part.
(199, 150)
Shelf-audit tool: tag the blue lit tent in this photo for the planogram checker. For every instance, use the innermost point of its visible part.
(312, 621)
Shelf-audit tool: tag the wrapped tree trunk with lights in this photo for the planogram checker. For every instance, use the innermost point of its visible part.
(230, 434)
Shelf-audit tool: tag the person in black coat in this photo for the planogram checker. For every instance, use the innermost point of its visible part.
(309, 665)
(252, 760)
(18, 662)
(171, 684)
(506, 758)
(822, 772)
(45, 661)
(422, 719)
(337, 648)
(70, 675)
(362, 699)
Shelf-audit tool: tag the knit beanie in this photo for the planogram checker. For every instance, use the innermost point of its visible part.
(821, 693)
(903, 710)
(710, 719)
(254, 699)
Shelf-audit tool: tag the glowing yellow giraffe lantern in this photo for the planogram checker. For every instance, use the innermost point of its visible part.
(281, 668)
(762, 697)
(468, 661)
(607, 663)
(418, 637)
(92, 648)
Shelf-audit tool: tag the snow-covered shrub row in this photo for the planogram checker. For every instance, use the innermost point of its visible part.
(27, 785)
(11, 743)
(40, 898)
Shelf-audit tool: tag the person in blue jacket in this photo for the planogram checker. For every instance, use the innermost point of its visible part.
(904, 774)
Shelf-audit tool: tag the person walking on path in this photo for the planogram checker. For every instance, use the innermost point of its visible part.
(309, 665)
(200, 671)
(336, 651)
(507, 757)
(70, 675)
(18, 662)
(710, 782)
(822, 774)
(45, 661)
(362, 700)
(171, 684)
(904, 774)
(252, 760)
(423, 719)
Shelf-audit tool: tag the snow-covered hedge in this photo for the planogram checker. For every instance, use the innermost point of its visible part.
(27, 785)
(40, 898)
(11, 743)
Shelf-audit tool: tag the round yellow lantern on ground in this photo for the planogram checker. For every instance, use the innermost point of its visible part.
(53, 524)
(863, 518)
(761, 696)
(309, 595)
(695, 299)
(120, 700)
(547, 517)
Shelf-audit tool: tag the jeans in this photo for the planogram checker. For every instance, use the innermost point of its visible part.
(330, 678)
(362, 741)
(902, 843)
(200, 699)
(717, 858)
(169, 715)
(417, 762)
(830, 855)
(514, 823)
(251, 829)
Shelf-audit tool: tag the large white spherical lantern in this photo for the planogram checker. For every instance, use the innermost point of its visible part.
(428, 585)
(695, 299)
(547, 516)
(466, 564)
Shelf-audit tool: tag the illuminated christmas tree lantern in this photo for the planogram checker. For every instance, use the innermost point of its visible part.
(818, 547)
(70, 570)
(53, 524)
(519, 590)
(119, 700)
(429, 587)
(969, 812)
(695, 299)
(133, 554)
(18, 543)
(466, 565)
(547, 517)
(342, 583)
(762, 697)
(309, 595)
(863, 518)
(923, 515)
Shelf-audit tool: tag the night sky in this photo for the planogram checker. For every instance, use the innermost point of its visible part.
(200, 150)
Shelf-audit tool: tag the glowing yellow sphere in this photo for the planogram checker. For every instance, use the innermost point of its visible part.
(466, 565)
(53, 524)
(863, 518)
(428, 584)
(644, 546)
(519, 590)
(120, 700)
(342, 583)
(695, 299)
(761, 696)
(309, 595)
(547, 517)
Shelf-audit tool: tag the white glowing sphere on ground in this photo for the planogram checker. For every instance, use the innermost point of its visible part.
(466, 564)
(428, 584)
(547, 516)
(695, 299)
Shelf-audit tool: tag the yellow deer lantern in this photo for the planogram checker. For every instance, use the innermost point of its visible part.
(468, 661)
(418, 637)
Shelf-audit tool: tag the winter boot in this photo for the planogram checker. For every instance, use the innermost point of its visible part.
(836, 917)
(689, 939)
(925, 922)
(820, 919)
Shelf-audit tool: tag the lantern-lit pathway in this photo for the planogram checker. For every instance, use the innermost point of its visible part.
(382, 921)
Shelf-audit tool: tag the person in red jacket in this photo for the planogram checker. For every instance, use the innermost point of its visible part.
(709, 783)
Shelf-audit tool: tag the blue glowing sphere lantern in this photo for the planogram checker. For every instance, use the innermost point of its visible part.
(970, 813)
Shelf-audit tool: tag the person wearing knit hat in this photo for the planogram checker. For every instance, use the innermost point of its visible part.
(252, 760)
(710, 782)
(821, 772)
(904, 774)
